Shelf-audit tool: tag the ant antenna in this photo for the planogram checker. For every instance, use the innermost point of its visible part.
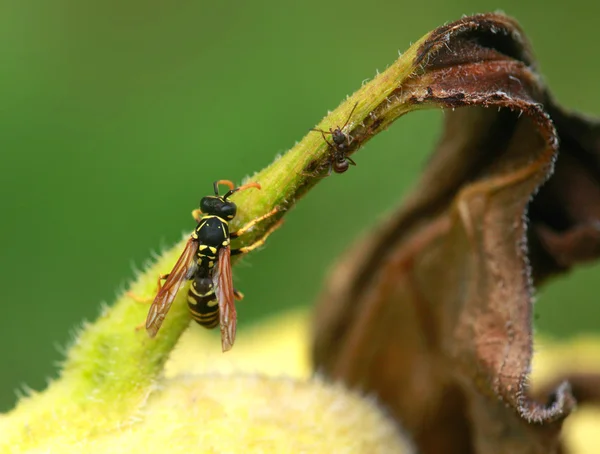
(350, 116)
(345, 124)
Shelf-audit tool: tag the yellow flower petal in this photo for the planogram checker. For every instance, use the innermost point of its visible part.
(210, 402)
(252, 414)
(277, 346)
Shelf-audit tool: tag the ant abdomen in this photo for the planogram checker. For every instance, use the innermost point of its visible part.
(340, 166)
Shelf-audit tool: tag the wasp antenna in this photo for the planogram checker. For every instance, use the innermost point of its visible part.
(242, 188)
(227, 183)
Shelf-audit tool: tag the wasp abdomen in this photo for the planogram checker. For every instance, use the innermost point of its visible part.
(202, 302)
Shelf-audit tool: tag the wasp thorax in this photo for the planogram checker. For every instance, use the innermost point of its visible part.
(217, 206)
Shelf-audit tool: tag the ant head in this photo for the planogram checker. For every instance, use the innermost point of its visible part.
(218, 206)
(339, 138)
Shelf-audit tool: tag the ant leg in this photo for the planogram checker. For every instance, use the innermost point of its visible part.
(328, 142)
(325, 138)
(350, 160)
(252, 223)
(197, 214)
(349, 139)
(259, 242)
(330, 167)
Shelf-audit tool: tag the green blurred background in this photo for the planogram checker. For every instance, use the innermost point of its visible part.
(115, 118)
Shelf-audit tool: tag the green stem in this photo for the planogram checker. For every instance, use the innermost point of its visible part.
(111, 367)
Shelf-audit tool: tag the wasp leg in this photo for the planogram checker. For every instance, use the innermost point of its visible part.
(252, 223)
(238, 295)
(140, 299)
(197, 214)
(162, 277)
(140, 326)
(259, 242)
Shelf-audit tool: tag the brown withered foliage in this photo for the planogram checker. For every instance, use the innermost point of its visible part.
(432, 312)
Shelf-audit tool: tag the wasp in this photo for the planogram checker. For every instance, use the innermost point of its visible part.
(338, 160)
(206, 261)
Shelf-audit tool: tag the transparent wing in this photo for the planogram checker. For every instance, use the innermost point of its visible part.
(223, 283)
(184, 269)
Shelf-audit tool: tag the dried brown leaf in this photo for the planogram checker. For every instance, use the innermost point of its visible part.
(433, 312)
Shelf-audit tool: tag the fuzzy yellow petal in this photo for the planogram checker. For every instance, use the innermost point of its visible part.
(252, 414)
(277, 346)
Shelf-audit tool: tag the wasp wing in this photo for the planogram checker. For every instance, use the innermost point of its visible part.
(183, 270)
(223, 283)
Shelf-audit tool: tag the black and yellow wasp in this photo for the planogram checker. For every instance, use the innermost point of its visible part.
(206, 262)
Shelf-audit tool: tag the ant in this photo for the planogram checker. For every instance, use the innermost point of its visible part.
(338, 160)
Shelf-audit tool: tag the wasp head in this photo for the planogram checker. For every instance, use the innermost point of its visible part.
(218, 206)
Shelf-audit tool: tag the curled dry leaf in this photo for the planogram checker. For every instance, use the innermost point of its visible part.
(433, 312)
